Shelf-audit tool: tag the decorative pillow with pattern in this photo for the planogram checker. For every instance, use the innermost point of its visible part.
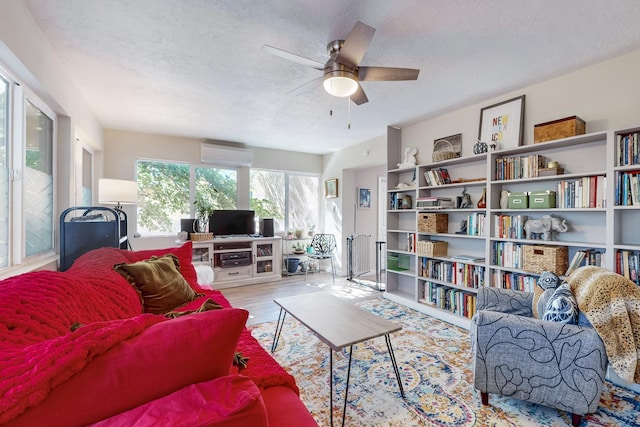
(562, 307)
(546, 281)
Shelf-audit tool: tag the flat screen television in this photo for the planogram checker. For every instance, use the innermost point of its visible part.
(232, 222)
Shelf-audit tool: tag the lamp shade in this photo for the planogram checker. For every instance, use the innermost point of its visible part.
(117, 191)
(340, 83)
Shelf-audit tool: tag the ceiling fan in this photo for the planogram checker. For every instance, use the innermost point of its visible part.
(341, 74)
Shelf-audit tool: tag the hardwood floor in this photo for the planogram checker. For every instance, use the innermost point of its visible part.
(258, 299)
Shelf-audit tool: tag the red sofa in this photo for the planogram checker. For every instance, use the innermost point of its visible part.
(77, 349)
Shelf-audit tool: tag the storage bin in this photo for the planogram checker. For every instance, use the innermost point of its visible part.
(433, 223)
(199, 237)
(398, 262)
(432, 248)
(542, 199)
(539, 258)
(558, 129)
(519, 200)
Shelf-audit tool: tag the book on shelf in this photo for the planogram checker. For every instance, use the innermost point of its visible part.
(627, 191)
(434, 203)
(437, 176)
(470, 258)
(627, 149)
(519, 167)
(585, 192)
(577, 259)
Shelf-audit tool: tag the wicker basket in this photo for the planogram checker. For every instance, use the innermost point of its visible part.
(539, 258)
(196, 237)
(431, 248)
(433, 223)
(443, 150)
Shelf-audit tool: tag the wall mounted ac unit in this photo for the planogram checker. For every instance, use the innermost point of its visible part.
(225, 156)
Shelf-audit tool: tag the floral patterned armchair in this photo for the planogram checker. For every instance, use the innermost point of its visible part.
(562, 366)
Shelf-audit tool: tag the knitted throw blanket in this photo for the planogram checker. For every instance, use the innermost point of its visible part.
(612, 304)
(40, 347)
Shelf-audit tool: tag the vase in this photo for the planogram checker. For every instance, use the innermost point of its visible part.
(482, 203)
(201, 225)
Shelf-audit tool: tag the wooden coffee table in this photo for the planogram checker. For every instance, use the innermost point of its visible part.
(339, 324)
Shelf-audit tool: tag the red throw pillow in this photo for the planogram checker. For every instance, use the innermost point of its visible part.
(166, 357)
(230, 401)
(184, 254)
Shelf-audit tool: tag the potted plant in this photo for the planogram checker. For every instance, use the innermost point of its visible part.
(298, 248)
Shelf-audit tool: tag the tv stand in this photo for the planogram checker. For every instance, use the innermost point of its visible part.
(240, 260)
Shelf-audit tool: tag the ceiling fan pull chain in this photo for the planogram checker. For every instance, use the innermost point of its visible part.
(349, 112)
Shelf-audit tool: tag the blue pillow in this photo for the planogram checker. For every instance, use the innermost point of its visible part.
(562, 307)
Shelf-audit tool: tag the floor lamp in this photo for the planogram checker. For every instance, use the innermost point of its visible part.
(119, 192)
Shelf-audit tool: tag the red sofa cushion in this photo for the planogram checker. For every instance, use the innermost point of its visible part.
(164, 358)
(229, 401)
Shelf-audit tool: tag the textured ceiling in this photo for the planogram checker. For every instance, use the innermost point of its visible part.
(195, 67)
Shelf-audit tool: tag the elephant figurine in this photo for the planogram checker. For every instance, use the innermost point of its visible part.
(548, 227)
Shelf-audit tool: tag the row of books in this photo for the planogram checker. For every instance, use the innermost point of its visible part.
(586, 257)
(519, 167)
(628, 265)
(457, 273)
(627, 188)
(627, 149)
(515, 281)
(507, 254)
(438, 176)
(585, 192)
(476, 224)
(509, 226)
(453, 300)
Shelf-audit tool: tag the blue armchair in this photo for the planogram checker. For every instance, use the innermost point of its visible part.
(558, 365)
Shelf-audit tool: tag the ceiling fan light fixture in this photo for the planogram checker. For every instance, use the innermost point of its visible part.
(340, 83)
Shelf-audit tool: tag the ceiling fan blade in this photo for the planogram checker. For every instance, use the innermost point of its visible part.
(355, 45)
(293, 57)
(359, 97)
(307, 86)
(387, 73)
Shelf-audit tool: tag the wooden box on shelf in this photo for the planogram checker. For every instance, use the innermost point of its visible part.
(196, 237)
(433, 223)
(558, 129)
(431, 248)
(539, 258)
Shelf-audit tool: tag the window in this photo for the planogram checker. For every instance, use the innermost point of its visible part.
(27, 179)
(165, 193)
(290, 199)
(38, 181)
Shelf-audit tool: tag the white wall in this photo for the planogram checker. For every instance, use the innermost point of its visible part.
(337, 213)
(605, 95)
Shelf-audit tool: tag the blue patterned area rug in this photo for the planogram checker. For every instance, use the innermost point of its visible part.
(435, 362)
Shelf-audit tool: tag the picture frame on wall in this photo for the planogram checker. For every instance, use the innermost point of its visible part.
(364, 198)
(502, 124)
(331, 188)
